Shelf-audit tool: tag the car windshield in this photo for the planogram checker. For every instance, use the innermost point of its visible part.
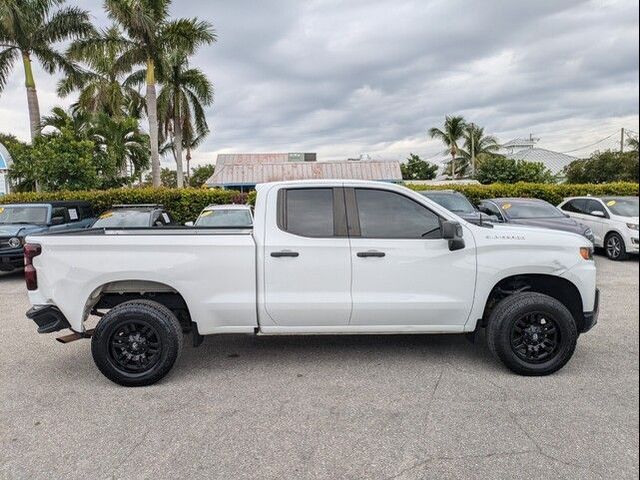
(623, 206)
(123, 218)
(224, 218)
(452, 202)
(23, 215)
(521, 210)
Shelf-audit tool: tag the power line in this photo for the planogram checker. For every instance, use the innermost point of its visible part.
(591, 144)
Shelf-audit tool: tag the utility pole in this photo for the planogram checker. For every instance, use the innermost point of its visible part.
(622, 140)
(473, 149)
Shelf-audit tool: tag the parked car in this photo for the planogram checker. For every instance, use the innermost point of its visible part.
(457, 203)
(17, 220)
(231, 215)
(614, 221)
(533, 212)
(134, 216)
(323, 257)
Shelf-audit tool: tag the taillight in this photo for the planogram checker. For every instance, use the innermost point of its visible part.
(31, 250)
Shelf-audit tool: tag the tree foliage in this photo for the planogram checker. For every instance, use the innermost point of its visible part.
(500, 169)
(201, 174)
(602, 167)
(418, 169)
(451, 134)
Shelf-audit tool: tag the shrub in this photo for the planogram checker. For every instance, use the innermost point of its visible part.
(499, 169)
(552, 193)
(184, 204)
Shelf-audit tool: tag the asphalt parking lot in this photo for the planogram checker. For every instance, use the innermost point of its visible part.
(382, 407)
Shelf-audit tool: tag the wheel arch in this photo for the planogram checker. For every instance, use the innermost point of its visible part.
(554, 286)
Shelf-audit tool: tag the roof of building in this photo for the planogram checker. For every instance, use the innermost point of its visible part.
(254, 168)
(554, 161)
(5, 158)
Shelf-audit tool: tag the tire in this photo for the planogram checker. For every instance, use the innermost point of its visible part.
(614, 247)
(544, 345)
(136, 343)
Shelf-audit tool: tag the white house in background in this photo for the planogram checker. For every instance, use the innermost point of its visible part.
(526, 149)
(5, 163)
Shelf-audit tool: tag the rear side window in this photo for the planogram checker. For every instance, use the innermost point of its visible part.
(307, 212)
(575, 206)
(384, 214)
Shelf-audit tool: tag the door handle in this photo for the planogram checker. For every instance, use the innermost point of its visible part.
(284, 253)
(370, 253)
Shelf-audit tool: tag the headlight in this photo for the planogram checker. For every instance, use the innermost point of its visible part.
(586, 253)
(632, 226)
(15, 242)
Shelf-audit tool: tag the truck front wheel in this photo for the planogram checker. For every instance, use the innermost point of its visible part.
(532, 333)
(136, 343)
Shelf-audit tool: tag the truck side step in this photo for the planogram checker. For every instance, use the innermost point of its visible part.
(72, 337)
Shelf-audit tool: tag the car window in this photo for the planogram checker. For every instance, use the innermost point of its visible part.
(491, 209)
(453, 202)
(224, 218)
(529, 209)
(577, 205)
(23, 215)
(625, 207)
(308, 212)
(59, 212)
(125, 218)
(594, 206)
(385, 214)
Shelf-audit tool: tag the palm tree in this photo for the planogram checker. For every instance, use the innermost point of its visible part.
(477, 143)
(451, 134)
(149, 35)
(185, 91)
(29, 29)
(633, 144)
(77, 121)
(101, 85)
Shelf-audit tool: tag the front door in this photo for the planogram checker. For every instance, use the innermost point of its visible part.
(403, 270)
(307, 262)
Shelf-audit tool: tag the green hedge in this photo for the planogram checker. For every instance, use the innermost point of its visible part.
(184, 205)
(552, 193)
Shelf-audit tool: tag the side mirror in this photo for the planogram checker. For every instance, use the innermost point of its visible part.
(452, 231)
(597, 213)
(188, 224)
(57, 220)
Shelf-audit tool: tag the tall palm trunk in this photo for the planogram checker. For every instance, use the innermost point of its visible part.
(152, 113)
(32, 97)
(177, 144)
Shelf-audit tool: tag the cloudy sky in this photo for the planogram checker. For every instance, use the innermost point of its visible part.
(343, 78)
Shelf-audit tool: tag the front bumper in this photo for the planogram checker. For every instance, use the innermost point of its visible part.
(591, 318)
(633, 246)
(11, 259)
(49, 318)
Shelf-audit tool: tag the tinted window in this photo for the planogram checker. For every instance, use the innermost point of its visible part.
(59, 212)
(575, 206)
(594, 206)
(391, 215)
(491, 209)
(309, 212)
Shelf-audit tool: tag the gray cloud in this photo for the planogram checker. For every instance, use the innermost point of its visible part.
(342, 78)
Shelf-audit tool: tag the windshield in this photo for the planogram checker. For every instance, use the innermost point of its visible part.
(123, 218)
(625, 207)
(530, 210)
(452, 202)
(224, 218)
(23, 214)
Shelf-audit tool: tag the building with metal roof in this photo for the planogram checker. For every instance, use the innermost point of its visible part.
(243, 171)
(554, 161)
(5, 163)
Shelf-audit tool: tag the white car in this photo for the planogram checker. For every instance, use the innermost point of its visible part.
(323, 258)
(613, 220)
(225, 216)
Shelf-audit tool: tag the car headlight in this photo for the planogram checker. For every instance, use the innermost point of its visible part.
(15, 242)
(632, 226)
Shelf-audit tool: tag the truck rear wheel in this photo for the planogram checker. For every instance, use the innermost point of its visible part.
(532, 333)
(136, 343)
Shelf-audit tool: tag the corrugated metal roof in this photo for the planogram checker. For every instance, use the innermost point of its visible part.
(251, 169)
(554, 161)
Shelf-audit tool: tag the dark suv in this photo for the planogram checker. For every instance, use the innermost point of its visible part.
(17, 220)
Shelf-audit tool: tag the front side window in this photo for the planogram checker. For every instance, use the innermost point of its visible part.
(490, 209)
(385, 214)
(575, 206)
(595, 206)
(308, 212)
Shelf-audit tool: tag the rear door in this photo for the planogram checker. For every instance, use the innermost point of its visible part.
(403, 270)
(597, 223)
(307, 262)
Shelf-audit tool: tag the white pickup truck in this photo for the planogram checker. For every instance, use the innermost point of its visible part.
(323, 257)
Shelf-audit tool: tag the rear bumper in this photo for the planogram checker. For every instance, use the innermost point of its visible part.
(48, 318)
(591, 318)
(11, 259)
